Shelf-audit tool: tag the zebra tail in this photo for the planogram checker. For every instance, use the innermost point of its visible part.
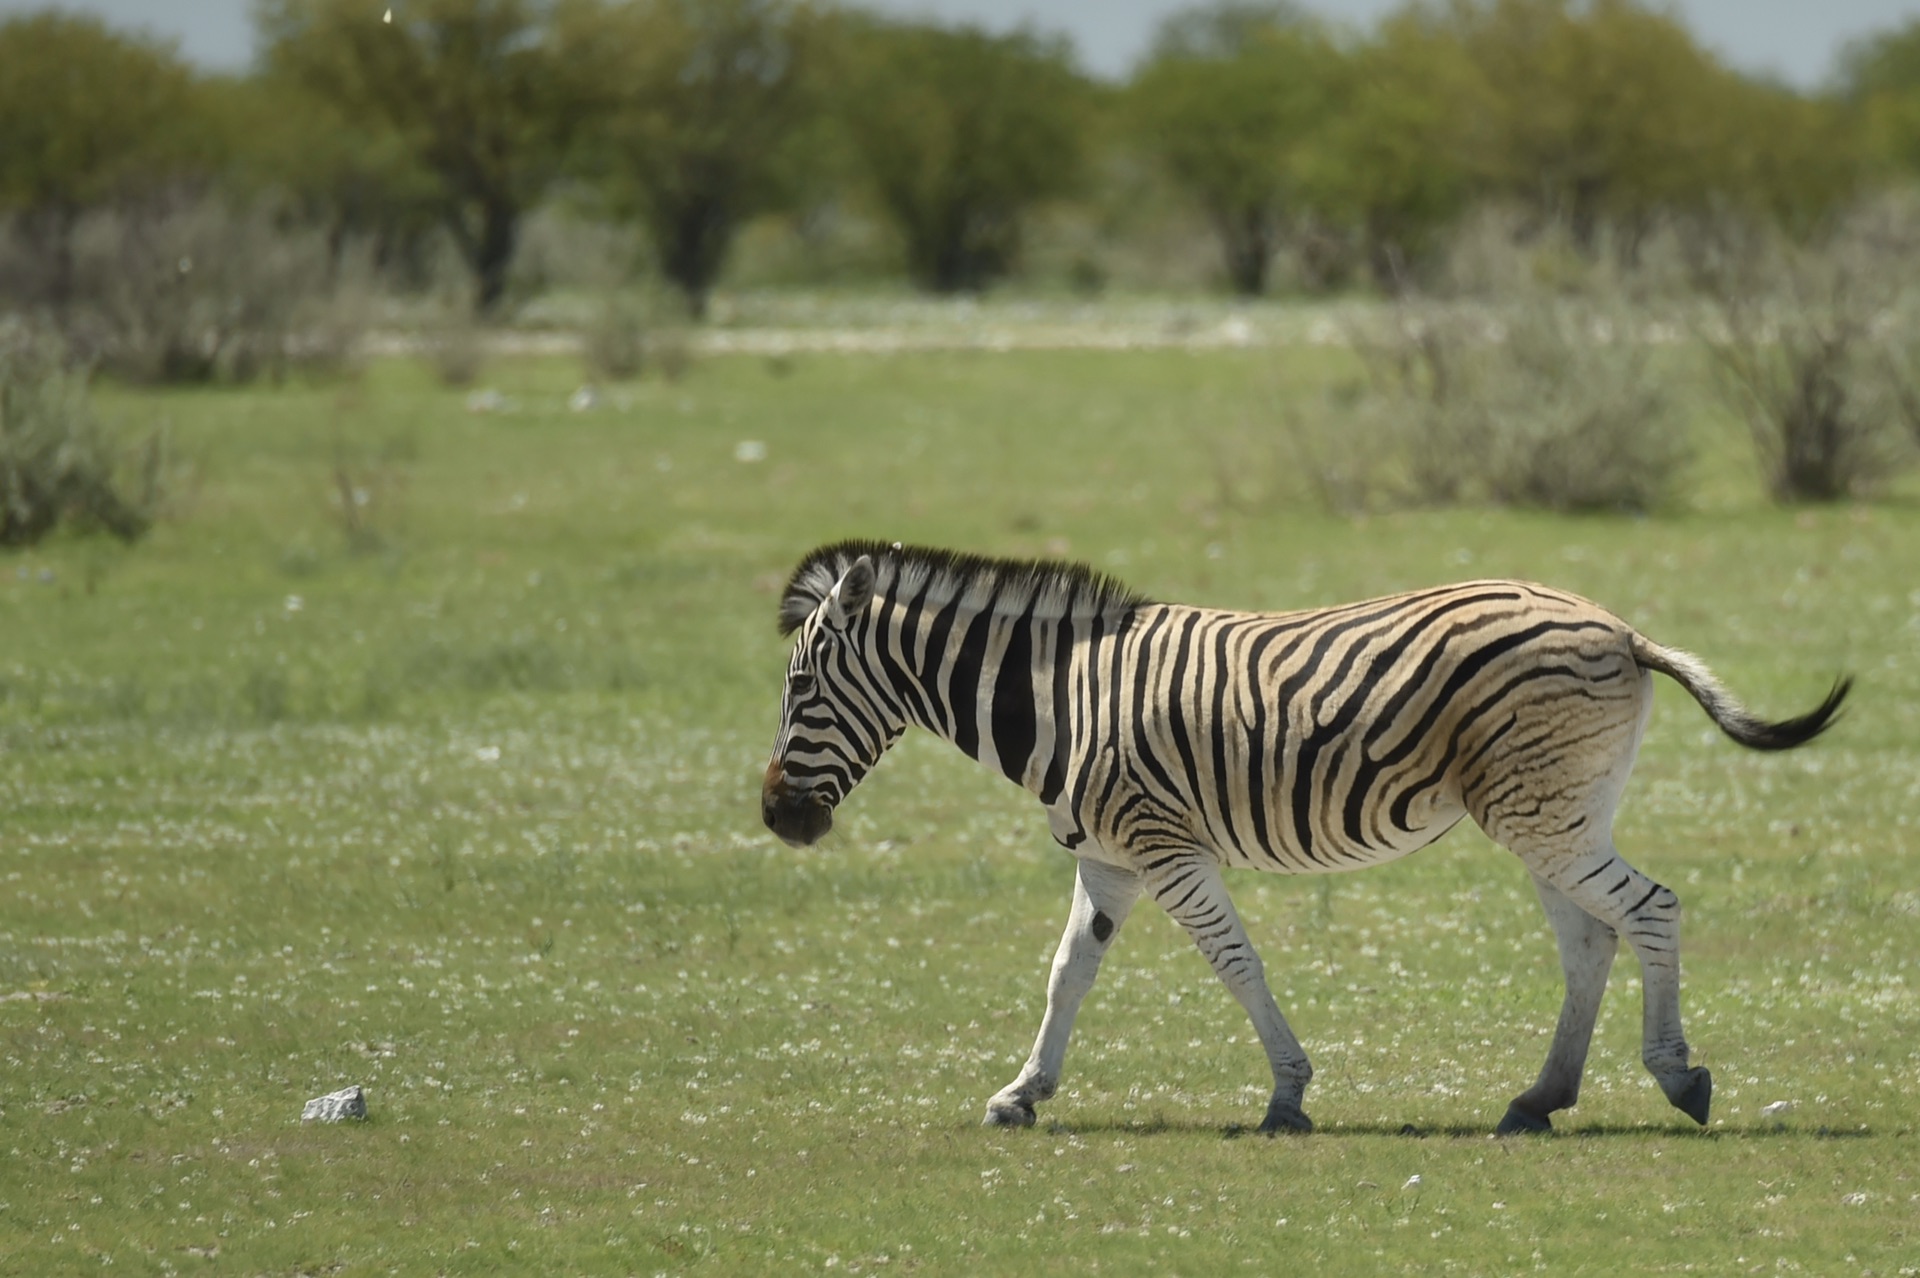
(1733, 718)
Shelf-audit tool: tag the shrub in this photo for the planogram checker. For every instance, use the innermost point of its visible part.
(1541, 380)
(454, 344)
(57, 463)
(635, 331)
(188, 288)
(1816, 348)
(670, 349)
(1545, 402)
(615, 343)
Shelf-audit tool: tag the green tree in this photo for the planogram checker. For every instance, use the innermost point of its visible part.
(472, 89)
(1404, 155)
(315, 167)
(1881, 78)
(1608, 113)
(1788, 158)
(960, 134)
(87, 115)
(355, 180)
(1232, 101)
(700, 104)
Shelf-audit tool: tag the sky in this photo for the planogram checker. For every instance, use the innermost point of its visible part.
(1793, 40)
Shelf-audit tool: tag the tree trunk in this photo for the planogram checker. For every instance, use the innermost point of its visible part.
(1585, 214)
(490, 254)
(1248, 237)
(962, 249)
(692, 242)
(49, 229)
(1388, 263)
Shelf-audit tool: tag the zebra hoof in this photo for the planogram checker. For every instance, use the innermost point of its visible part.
(1694, 1095)
(1284, 1116)
(1520, 1122)
(1002, 1112)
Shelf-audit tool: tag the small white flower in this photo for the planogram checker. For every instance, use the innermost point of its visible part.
(487, 754)
(1413, 1182)
(749, 451)
(295, 603)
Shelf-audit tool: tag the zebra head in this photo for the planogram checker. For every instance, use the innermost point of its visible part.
(836, 717)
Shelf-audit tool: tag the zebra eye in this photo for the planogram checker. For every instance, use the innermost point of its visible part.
(800, 685)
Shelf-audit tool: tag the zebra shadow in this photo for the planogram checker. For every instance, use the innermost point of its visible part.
(1386, 1130)
(1596, 1131)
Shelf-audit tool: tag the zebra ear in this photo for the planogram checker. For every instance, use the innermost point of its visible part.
(851, 594)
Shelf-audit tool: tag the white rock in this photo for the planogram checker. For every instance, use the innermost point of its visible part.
(348, 1102)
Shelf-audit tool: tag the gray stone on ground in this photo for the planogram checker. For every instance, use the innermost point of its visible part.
(348, 1102)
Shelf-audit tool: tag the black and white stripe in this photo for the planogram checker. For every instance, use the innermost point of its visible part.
(1169, 741)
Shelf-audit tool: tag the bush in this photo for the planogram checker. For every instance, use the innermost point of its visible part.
(615, 343)
(1818, 349)
(57, 463)
(189, 288)
(1541, 382)
(563, 250)
(454, 344)
(634, 332)
(1549, 403)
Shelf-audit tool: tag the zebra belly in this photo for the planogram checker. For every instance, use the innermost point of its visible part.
(1336, 853)
(1305, 812)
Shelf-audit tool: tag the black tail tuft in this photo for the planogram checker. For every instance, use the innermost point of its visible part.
(1788, 733)
(1733, 718)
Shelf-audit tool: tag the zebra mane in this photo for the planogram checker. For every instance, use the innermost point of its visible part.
(1009, 586)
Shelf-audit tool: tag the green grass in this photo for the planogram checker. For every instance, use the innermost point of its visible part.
(463, 808)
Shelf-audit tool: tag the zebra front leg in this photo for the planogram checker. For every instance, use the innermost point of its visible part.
(1587, 947)
(1191, 890)
(1102, 897)
(1648, 916)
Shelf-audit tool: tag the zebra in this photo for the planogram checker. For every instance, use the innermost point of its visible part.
(1168, 743)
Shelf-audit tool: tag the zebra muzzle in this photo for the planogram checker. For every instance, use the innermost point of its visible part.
(800, 818)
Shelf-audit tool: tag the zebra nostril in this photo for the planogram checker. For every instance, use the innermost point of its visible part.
(799, 818)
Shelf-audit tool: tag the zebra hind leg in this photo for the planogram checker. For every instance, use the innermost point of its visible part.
(1102, 898)
(1587, 947)
(1647, 915)
(1191, 890)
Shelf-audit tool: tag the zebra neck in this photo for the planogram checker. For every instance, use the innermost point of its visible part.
(996, 686)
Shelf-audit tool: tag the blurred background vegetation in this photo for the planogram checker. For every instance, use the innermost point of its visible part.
(1583, 173)
(749, 143)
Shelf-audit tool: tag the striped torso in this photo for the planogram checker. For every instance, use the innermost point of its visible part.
(1300, 742)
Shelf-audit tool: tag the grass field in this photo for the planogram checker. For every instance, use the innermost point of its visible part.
(456, 797)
